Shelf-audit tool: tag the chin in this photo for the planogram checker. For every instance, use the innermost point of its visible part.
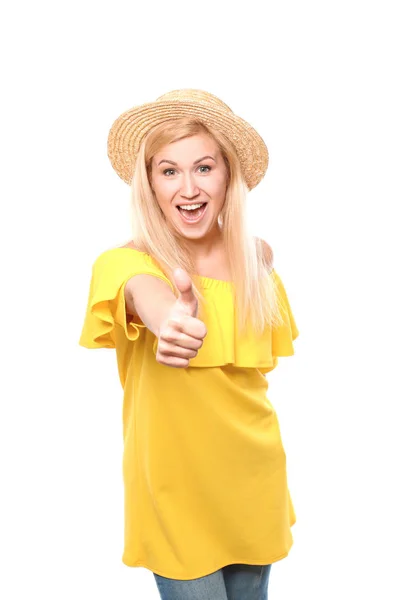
(192, 235)
(191, 231)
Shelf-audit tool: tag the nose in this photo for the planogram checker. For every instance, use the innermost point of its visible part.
(189, 188)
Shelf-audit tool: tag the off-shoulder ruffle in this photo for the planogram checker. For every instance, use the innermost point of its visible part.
(106, 320)
(106, 311)
(224, 346)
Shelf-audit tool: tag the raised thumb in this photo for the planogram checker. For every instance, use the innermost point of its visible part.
(184, 286)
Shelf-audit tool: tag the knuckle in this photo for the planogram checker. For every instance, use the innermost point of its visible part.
(183, 353)
(173, 323)
(169, 331)
(162, 346)
(169, 335)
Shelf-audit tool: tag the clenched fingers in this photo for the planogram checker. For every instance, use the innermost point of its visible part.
(189, 326)
(167, 349)
(179, 338)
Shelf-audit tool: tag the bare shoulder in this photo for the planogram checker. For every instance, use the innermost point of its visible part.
(267, 252)
(129, 245)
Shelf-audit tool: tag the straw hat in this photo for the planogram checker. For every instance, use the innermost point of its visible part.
(128, 131)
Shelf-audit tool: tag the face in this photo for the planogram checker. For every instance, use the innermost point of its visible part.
(191, 174)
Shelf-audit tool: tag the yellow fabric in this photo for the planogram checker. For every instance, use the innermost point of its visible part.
(204, 466)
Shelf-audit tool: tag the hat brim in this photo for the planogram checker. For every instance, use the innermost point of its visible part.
(128, 131)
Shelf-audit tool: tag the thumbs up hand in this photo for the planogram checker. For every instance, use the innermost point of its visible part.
(181, 334)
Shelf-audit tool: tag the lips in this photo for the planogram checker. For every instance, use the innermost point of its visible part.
(192, 216)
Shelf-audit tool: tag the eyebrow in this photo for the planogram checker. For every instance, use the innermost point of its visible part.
(171, 162)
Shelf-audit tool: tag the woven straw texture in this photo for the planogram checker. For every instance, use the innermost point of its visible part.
(128, 131)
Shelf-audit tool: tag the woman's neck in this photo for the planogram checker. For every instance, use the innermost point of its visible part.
(205, 248)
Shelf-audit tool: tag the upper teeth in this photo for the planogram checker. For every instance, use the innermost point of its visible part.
(191, 206)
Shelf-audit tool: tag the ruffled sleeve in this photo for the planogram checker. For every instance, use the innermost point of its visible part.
(106, 316)
(284, 335)
(223, 345)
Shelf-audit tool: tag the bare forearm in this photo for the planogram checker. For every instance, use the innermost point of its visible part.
(150, 298)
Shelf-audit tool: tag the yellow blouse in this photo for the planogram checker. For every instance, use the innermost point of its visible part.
(204, 468)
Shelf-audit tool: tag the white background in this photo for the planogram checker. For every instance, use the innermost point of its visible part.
(319, 81)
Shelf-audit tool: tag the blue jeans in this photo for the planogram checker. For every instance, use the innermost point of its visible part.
(232, 582)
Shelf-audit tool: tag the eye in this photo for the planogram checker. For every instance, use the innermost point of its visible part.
(205, 167)
(167, 171)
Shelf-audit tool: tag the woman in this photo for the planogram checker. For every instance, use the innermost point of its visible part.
(197, 316)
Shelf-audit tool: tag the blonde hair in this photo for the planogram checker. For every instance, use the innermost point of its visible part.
(250, 259)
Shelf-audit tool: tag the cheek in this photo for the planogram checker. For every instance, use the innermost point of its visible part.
(217, 189)
(163, 191)
(164, 202)
(159, 193)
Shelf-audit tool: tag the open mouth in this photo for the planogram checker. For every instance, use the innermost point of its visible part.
(192, 213)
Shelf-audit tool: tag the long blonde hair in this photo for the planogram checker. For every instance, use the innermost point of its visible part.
(250, 259)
